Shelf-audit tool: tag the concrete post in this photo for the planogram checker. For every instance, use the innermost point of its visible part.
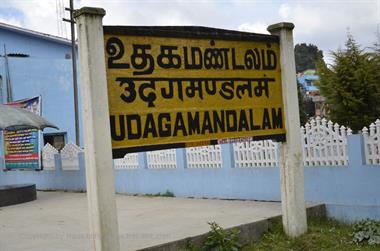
(227, 156)
(292, 170)
(97, 140)
(356, 151)
(143, 160)
(181, 158)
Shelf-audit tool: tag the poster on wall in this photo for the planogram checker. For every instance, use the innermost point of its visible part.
(21, 147)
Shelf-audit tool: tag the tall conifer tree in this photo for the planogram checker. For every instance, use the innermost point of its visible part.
(351, 86)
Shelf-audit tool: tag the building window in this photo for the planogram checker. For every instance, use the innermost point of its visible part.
(58, 140)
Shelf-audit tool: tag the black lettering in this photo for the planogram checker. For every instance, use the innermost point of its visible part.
(213, 59)
(196, 58)
(227, 90)
(243, 88)
(150, 126)
(129, 94)
(193, 123)
(114, 135)
(179, 125)
(262, 86)
(266, 120)
(195, 86)
(140, 59)
(164, 128)
(225, 56)
(252, 59)
(231, 118)
(219, 122)
(206, 126)
(167, 59)
(271, 60)
(251, 122)
(130, 119)
(235, 66)
(168, 93)
(210, 90)
(151, 96)
(277, 118)
(115, 50)
(243, 122)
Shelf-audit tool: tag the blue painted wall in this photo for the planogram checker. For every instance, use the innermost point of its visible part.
(45, 72)
(350, 192)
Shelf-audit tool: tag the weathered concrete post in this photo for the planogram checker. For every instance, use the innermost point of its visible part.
(292, 173)
(97, 140)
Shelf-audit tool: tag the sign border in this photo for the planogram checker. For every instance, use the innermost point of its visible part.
(188, 32)
(197, 32)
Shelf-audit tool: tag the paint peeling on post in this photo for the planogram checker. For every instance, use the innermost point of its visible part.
(292, 170)
(97, 141)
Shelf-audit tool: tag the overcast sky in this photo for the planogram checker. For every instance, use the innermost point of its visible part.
(321, 22)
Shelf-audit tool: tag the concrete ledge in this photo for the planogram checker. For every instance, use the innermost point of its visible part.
(16, 194)
(248, 232)
(350, 214)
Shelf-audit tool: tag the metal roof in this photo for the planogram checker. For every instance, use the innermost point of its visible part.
(35, 34)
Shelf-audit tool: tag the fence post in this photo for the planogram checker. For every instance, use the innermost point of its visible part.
(104, 232)
(355, 151)
(227, 155)
(181, 158)
(291, 166)
(143, 160)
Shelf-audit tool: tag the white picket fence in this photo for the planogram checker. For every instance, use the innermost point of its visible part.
(204, 157)
(372, 143)
(256, 154)
(324, 144)
(162, 159)
(130, 161)
(48, 157)
(69, 157)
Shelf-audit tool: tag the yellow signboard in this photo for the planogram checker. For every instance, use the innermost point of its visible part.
(176, 87)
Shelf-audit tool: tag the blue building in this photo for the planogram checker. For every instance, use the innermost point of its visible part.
(37, 64)
(307, 80)
(314, 102)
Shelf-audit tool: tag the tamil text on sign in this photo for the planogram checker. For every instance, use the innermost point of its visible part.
(176, 86)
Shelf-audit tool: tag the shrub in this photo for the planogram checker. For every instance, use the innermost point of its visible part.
(221, 240)
(367, 231)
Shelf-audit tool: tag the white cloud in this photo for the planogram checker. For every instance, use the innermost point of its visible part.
(258, 27)
(39, 15)
(11, 21)
(326, 23)
(320, 22)
(284, 11)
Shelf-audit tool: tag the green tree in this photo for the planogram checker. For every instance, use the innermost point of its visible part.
(301, 104)
(306, 56)
(351, 86)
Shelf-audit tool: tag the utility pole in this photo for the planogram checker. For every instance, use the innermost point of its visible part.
(1, 89)
(74, 60)
(8, 77)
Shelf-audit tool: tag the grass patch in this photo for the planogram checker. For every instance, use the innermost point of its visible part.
(323, 234)
(166, 194)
